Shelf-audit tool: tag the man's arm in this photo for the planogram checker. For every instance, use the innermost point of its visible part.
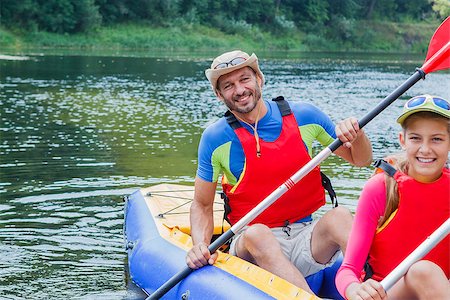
(356, 148)
(202, 224)
(316, 125)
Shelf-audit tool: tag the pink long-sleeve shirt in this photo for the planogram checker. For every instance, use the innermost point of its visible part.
(371, 206)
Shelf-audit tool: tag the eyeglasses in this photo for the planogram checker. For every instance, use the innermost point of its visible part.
(235, 61)
(421, 100)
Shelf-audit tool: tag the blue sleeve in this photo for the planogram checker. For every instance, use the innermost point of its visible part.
(307, 114)
(214, 150)
(205, 150)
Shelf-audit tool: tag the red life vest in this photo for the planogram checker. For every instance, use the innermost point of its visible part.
(423, 207)
(279, 160)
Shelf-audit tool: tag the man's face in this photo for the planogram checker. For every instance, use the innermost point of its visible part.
(240, 90)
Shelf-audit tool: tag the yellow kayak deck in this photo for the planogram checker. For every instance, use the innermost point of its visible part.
(169, 205)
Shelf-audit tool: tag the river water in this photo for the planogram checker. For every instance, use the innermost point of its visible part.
(78, 132)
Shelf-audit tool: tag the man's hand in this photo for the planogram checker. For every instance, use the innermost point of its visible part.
(348, 131)
(356, 148)
(199, 256)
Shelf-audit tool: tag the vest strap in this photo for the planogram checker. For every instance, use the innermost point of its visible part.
(283, 106)
(232, 120)
(226, 206)
(367, 270)
(326, 183)
(385, 166)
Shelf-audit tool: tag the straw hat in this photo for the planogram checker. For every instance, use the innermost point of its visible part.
(229, 62)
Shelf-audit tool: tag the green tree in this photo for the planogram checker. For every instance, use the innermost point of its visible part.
(87, 15)
(344, 8)
(395, 10)
(19, 14)
(307, 12)
(413, 9)
(70, 16)
(61, 16)
(113, 11)
(158, 12)
(56, 16)
(441, 7)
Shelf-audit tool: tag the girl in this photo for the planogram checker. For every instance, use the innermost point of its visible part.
(399, 209)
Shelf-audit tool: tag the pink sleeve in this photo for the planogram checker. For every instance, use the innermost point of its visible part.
(371, 206)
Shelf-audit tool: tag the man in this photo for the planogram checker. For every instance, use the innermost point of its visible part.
(257, 146)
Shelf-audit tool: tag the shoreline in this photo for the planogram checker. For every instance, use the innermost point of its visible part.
(366, 37)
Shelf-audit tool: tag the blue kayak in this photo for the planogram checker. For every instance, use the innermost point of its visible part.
(157, 238)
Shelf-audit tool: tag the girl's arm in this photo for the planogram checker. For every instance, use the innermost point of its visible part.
(371, 206)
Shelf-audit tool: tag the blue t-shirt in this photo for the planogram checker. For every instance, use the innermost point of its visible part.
(220, 151)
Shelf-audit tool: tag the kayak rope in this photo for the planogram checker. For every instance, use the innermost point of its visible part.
(170, 211)
(161, 215)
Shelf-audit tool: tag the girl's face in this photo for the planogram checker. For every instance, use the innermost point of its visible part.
(427, 144)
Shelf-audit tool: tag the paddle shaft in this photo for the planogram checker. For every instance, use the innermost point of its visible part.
(221, 240)
(426, 246)
(313, 163)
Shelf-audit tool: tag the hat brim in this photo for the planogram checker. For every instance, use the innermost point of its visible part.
(214, 74)
(406, 114)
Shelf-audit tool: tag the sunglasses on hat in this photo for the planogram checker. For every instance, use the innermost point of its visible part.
(421, 100)
(234, 62)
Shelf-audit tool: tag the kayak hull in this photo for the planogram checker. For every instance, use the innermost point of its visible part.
(157, 249)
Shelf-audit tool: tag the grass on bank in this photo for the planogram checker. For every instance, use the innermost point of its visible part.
(344, 35)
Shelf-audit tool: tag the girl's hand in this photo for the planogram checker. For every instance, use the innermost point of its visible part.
(368, 290)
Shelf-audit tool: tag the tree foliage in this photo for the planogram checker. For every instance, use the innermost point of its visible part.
(61, 16)
(442, 7)
(71, 16)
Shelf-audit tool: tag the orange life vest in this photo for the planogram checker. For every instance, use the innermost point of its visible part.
(279, 160)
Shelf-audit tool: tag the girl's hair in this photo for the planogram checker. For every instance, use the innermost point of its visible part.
(400, 162)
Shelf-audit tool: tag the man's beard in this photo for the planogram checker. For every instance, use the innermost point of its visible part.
(243, 110)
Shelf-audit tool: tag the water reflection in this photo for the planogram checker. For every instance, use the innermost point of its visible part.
(78, 132)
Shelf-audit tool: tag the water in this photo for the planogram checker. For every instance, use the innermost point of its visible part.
(79, 132)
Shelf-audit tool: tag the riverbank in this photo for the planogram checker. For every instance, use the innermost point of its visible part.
(365, 36)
